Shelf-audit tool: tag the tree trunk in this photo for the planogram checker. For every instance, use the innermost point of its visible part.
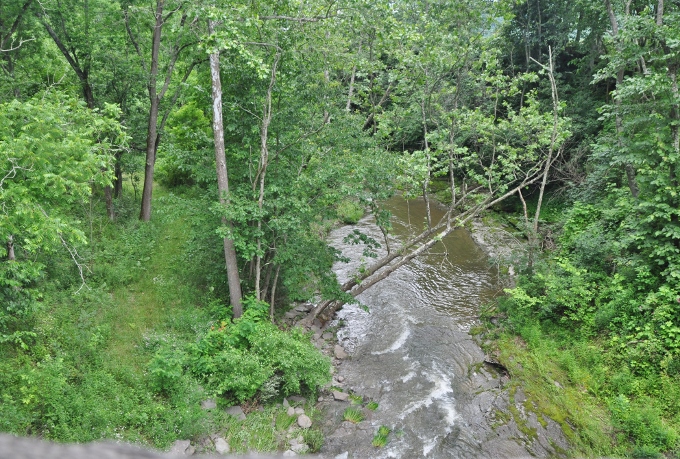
(272, 299)
(416, 246)
(426, 182)
(10, 249)
(675, 134)
(351, 84)
(264, 163)
(553, 138)
(108, 197)
(152, 128)
(231, 262)
(118, 181)
(630, 170)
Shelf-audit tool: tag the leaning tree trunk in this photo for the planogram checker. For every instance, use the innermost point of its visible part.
(413, 248)
(233, 277)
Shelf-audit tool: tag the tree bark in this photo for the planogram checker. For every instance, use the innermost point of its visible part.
(426, 182)
(264, 163)
(630, 170)
(10, 248)
(82, 71)
(108, 197)
(553, 138)
(118, 181)
(272, 299)
(351, 84)
(152, 127)
(231, 262)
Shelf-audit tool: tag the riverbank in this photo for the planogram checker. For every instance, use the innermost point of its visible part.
(568, 372)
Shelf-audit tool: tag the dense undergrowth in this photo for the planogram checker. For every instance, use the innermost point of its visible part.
(131, 354)
(591, 334)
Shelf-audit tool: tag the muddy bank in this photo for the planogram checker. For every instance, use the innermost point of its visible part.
(414, 357)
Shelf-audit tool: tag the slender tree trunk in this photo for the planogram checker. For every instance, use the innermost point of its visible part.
(267, 276)
(10, 248)
(426, 182)
(264, 163)
(231, 262)
(108, 197)
(531, 235)
(351, 84)
(272, 299)
(152, 127)
(675, 134)
(630, 170)
(118, 183)
(553, 138)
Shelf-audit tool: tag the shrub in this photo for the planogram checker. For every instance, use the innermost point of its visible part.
(349, 211)
(642, 425)
(251, 354)
(380, 438)
(166, 370)
(314, 439)
(353, 415)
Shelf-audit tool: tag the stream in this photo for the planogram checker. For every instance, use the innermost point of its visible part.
(414, 356)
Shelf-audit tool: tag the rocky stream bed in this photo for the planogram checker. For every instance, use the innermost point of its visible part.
(413, 356)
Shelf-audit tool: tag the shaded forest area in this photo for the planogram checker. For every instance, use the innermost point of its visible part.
(169, 170)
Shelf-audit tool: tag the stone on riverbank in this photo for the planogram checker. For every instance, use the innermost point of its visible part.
(340, 396)
(339, 352)
(304, 421)
(182, 448)
(221, 446)
(237, 412)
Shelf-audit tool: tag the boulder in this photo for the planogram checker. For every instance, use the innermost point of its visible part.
(304, 421)
(221, 446)
(208, 404)
(340, 396)
(297, 399)
(339, 352)
(237, 412)
(182, 448)
(290, 411)
(300, 448)
(289, 453)
(327, 335)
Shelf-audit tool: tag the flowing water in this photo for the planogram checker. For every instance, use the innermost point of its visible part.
(413, 355)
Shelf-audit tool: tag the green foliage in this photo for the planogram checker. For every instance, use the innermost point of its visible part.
(641, 424)
(372, 405)
(188, 156)
(353, 415)
(237, 360)
(166, 370)
(349, 212)
(19, 299)
(52, 150)
(314, 439)
(380, 438)
(356, 399)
